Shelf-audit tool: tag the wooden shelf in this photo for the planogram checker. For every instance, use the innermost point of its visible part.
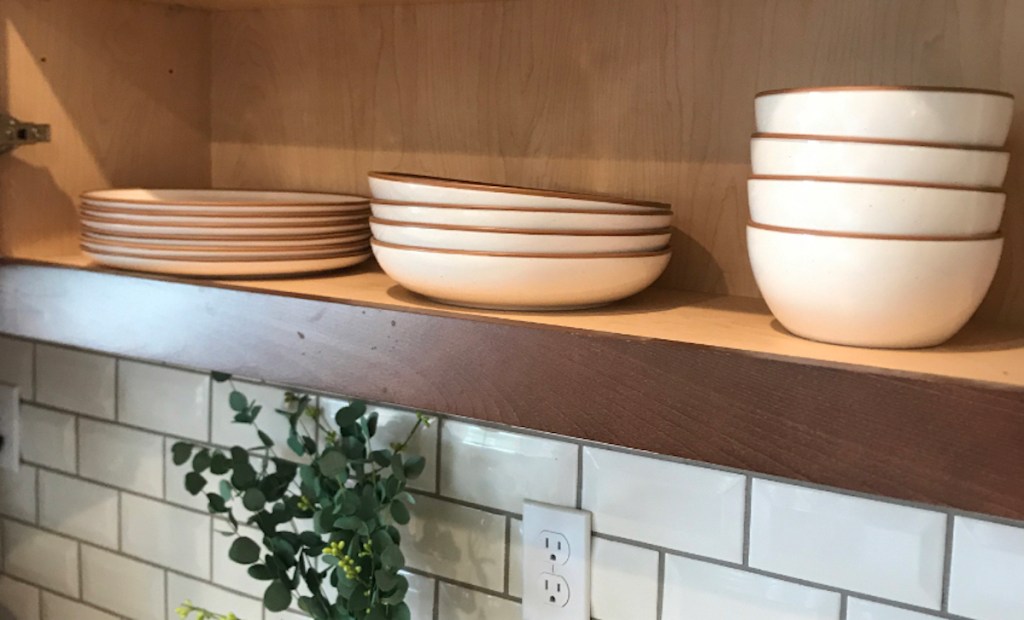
(239, 5)
(708, 378)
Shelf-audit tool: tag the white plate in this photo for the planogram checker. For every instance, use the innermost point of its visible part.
(221, 220)
(520, 282)
(219, 254)
(228, 242)
(543, 241)
(98, 206)
(226, 200)
(523, 218)
(110, 227)
(227, 268)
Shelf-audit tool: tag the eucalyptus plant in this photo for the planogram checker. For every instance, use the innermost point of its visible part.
(328, 528)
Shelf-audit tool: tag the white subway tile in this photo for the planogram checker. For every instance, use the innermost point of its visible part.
(703, 591)
(59, 608)
(122, 457)
(623, 581)
(227, 432)
(289, 615)
(18, 493)
(122, 585)
(16, 365)
(394, 425)
(455, 603)
(18, 601)
(231, 574)
(497, 468)
(420, 597)
(41, 558)
(168, 400)
(887, 550)
(987, 579)
(859, 609)
(146, 527)
(48, 438)
(515, 558)
(75, 380)
(181, 589)
(456, 542)
(78, 508)
(692, 509)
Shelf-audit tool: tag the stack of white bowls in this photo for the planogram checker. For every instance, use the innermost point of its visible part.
(224, 232)
(875, 211)
(513, 248)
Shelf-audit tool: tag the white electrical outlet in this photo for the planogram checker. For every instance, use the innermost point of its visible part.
(556, 563)
(10, 428)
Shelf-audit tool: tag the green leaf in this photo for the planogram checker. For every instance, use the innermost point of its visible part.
(265, 439)
(254, 500)
(225, 490)
(400, 612)
(381, 457)
(201, 461)
(215, 503)
(371, 424)
(399, 594)
(415, 466)
(386, 580)
(244, 477)
(296, 444)
(399, 512)
(332, 463)
(348, 416)
(244, 550)
(278, 596)
(261, 572)
(220, 377)
(238, 401)
(393, 558)
(181, 452)
(239, 456)
(348, 523)
(194, 483)
(219, 464)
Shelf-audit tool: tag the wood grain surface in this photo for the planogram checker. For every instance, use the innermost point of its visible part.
(950, 443)
(646, 98)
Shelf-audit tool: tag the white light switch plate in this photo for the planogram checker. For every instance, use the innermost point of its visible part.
(10, 429)
(556, 563)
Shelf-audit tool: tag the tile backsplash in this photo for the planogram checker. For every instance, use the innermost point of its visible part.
(96, 525)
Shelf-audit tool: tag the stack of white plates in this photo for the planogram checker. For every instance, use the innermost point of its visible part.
(495, 246)
(224, 232)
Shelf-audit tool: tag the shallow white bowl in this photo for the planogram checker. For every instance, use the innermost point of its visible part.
(223, 202)
(217, 253)
(436, 190)
(520, 282)
(856, 159)
(203, 219)
(915, 114)
(237, 243)
(522, 217)
(113, 226)
(506, 240)
(871, 292)
(227, 268)
(873, 208)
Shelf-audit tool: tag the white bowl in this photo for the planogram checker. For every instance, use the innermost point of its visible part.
(914, 114)
(203, 219)
(110, 226)
(238, 243)
(526, 241)
(520, 282)
(838, 205)
(806, 156)
(871, 291)
(222, 202)
(522, 217)
(436, 190)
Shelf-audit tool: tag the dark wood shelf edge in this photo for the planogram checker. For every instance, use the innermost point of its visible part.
(913, 437)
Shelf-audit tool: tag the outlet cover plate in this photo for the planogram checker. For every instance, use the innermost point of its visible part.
(539, 522)
(10, 428)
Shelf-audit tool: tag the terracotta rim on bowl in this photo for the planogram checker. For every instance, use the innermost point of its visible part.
(884, 142)
(343, 199)
(185, 249)
(825, 233)
(527, 231)
(855, 181)
(89, 231)
(658, 211)
(929, 89)
(612, 255)
(205, 259)
(331, 221)
(87, 207)
(403, 177)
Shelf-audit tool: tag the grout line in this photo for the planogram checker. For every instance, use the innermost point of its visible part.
(209, 408)
(78, 445)
(947, 563)
(579, 477)
(42, 604)
(163, 470)
(843, 610)
(437, 599)
(120, 520)
(81, 572)
(167, 594)
(437, 456)
(462, 584)
(508, 553)
(117, 389)
(660, 603)
(38, 497)
(35, 372)
(747, 509)
(62, 595)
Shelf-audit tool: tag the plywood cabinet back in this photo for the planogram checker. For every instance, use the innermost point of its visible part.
(647, 98)
(125, 86)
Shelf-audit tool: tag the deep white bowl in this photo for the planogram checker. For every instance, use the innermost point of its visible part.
(222, 201)
(837, 205)
(436, 190)
(520, 282)
(914, 114)
(525, 241)
(871, 291)
(806, 156)
(522, 217)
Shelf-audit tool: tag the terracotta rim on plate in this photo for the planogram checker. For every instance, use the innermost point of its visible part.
(344, 199)
(884, 142)
(602, 255)
(527, 231)
(927, 89)
(657, 211)
(854, 180)
(204, 259)
(94, 233)
(90, 208)
(340, 247)
(420, 179)
(828, 233)
(330, 221)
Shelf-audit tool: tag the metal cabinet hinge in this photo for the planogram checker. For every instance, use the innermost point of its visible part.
(14, 133)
